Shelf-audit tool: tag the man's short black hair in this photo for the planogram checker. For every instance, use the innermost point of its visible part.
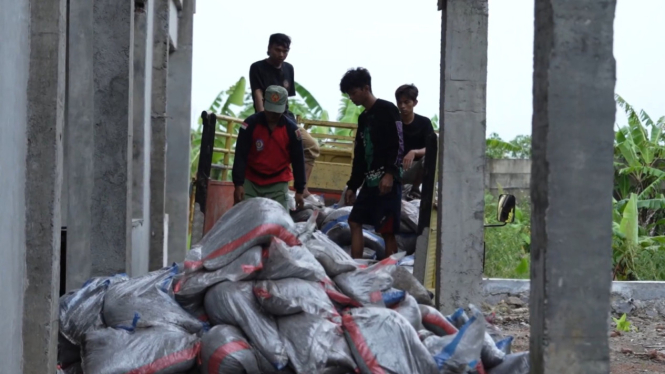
(281, 40)
(407, 90)
(355, 78)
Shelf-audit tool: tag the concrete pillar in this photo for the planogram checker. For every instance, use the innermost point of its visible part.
(571, 185)
(461, 152)
(143, 32)
(179, 133)
(79, 142)
(113, 73)
(43, 179)
(14, 70)
(158, 133)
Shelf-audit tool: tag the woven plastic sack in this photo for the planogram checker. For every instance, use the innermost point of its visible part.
(332, 257)
(224, 349)
(409, 218)
(323, 214)
(308, 339)
(145, 302)
(404, 280)
(80, 310)
(233, 303)
(382, 341)
(491, 356)
(365, 285)
(462, 352)
(339, 356)
(505, 345)
(517, 363)
(190, 287)
(406, 242)
(339, 299)
(74, 368)
(335, 217)
(68, 352)
(250, 223)
(291, 296)
(281, 261)
(435, 322)
(302, 215)
(158, 350)
(410, 310)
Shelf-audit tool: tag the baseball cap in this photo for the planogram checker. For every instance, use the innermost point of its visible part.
(275, 99)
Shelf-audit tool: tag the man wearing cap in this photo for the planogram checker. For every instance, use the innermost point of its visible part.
(268, 143)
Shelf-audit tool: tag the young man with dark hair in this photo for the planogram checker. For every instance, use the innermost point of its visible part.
(377, 164)
(274, 70)
(268, 142)
(416, 128)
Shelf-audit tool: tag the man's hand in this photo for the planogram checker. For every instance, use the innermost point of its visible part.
(238, 194)
(300, 202)
(386, 184)
(350, 197)
(408, 159)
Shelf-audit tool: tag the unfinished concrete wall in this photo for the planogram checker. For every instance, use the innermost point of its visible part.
(177, 151)
(571, 186)
(462, 152)
(513, 175)
(43, 180)
(15, 52)
(113, 74)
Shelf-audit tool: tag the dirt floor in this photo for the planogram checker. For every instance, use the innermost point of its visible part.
(639, 351)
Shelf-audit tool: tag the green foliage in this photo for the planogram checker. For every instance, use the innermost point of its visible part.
(497, 148)
(623, 324)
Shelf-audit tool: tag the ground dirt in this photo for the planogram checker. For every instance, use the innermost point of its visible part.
(639, 351)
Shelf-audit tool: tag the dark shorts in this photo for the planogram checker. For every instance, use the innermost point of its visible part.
(381, 211)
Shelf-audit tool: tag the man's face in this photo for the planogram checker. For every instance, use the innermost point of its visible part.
(272, 116)
(358, 95)
(406, 105)
(277, 53)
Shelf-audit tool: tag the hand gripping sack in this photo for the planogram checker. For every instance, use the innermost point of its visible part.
(280, 261)
(383, 342)
(145, 302)
(291, 296)
(365, 285)
(250, 223)
(308, 340)
(233, 303)
(159, 350)
(224, 349)
(80, 310)
(332, 257)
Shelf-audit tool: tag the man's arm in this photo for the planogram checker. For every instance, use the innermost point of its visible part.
(243, 145)
(359, 167)
(256, 84)
(297, 157)
(391, 147)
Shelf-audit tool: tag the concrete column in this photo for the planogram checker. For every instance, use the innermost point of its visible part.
(43, 180)
(14, 72)
(177, 151)
(113, 73)
(143, 32)
(571, 185)
(461, 152)
(158, 133)
(79, 142)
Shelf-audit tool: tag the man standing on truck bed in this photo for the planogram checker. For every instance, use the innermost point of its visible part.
(274, 70)
(268, 142)
(416, 130)
(377, 164)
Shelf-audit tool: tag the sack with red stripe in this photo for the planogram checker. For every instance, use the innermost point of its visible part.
(365, 285)
(308, 339)
(252, 222)
(410, 310)
(384, 342)
(339, 356)
(190, 287)
(159, 350)
(291, 296)
(435, 322)
(224, 349)
(331, 256)
(233, 303)
(281, 261)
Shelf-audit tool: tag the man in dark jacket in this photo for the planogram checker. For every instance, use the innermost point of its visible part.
(268, 143)
(377, 164)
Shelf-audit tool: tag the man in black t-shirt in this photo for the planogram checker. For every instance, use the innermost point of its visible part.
(416, 128)
(274, 70)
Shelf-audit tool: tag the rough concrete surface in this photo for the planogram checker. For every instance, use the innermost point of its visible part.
(79, 143)
(113, 74)
(43, 181)
(571, 185)
(158, 133)
(462, 152)
(15, 52)
(179, 134)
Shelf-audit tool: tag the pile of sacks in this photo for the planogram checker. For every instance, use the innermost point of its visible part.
(262, 294)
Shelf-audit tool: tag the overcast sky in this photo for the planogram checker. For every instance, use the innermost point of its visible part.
(399, 42)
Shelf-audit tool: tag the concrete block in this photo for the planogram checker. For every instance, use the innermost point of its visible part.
(571, 186)
(462, 153)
